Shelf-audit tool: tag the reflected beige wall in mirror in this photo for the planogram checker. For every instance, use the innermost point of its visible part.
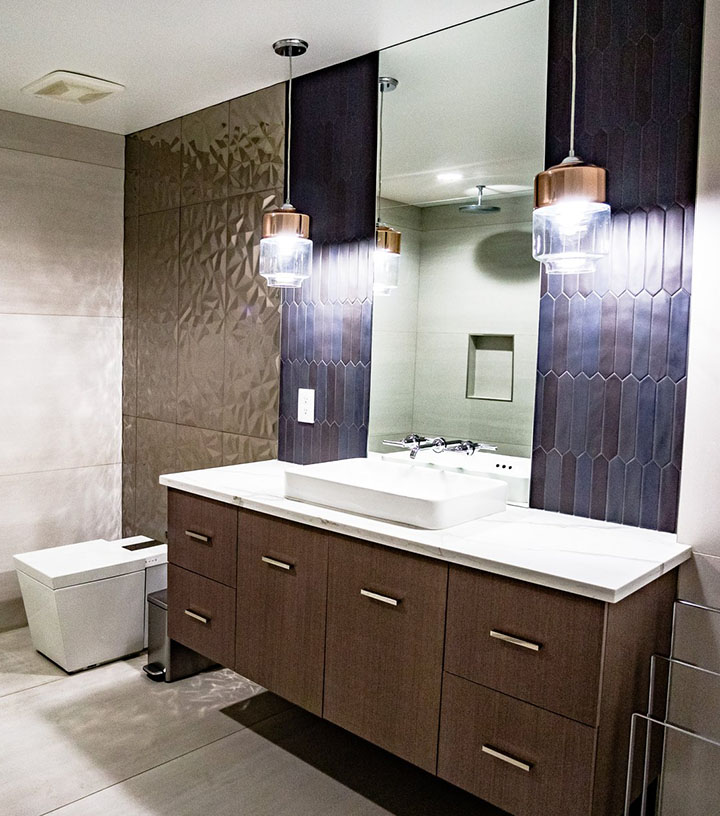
(455, 345)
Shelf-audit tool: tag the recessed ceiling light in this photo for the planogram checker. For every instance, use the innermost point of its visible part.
(447, 177)
(66, 86)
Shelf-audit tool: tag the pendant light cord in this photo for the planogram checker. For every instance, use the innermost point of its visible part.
(574, 79)
(380, 152)
(289, 134)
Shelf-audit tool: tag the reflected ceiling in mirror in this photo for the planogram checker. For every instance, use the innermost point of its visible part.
(455, 345)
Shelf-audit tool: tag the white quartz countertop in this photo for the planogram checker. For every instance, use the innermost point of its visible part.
(591, 558)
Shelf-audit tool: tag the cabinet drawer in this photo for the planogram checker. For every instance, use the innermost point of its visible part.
(537, 644)
(202, 536)
(512, 754)
(282, 591)
(201, 615)
(383, 661)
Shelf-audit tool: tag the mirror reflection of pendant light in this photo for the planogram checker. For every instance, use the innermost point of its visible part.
(386, 260)
(286, 248)
(571, 221)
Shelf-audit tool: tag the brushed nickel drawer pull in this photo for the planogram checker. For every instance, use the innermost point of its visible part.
(275, 563)
(198, 536)
(195, 616)
(526, 644)
(517, 763)
(382, 598)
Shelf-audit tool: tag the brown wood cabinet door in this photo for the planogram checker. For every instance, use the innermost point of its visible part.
(537, 644)
(201, 614)
(281, 601)
(385, 632)
(519, 757)
(202, 536)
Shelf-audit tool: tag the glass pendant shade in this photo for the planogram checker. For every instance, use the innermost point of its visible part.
(571, 221)
(285, 248)
(387, 260)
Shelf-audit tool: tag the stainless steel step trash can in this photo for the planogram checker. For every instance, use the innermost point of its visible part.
(167, 659)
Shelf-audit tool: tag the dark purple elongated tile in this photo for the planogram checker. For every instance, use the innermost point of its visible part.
(339, 406)
(636, 251)
(564, 412)
(591, 334)
(567, 483)
(642, 312)
(549, 410)
(611, 417)
(649, 163)
(619, 252)
(633, 491)
(545, 334)
(330, 411)
(679, 422)
(654, 250)
(337, 333)
(553, 475)
(596, 401)
(616, 490)
(366, 332)
(608, 329)
(659, 334)
(631, 166)
(579, 421)
(673, 248)
(560, 335)
(678, 335)
(688, 232)
(647, 392)
(663, 425)
(583, 485)
(537, 482)
(650, 497)
(598, 495)
(321, 393)
(343, 442)
(668, 504)
(623, 335)
(628, 418)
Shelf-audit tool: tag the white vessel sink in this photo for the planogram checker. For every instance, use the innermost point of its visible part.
(422, 497)
(513, 470)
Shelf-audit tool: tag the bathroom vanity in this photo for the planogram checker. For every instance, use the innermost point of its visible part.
(452, 649)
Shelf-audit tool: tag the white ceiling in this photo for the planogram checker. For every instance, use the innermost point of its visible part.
(180, 56)
(470, 101)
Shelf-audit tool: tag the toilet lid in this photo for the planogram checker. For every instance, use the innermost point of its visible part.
(72, 564)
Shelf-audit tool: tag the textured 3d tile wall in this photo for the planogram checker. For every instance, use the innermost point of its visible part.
(326, 325)
(613, 347)
(201, 331)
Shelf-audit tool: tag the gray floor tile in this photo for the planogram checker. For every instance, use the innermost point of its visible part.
(21, 667)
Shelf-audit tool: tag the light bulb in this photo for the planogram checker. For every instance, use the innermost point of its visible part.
(571, 236)
(386, 271)
(285, 259)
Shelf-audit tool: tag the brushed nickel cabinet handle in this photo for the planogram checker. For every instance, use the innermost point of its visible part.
(526, 644)
(275, 563)
(517, 763)
(382, 598)
(198, 536)
(196, 616)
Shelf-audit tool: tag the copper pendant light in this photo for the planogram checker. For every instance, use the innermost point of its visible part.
(285, 247)
(571, 220)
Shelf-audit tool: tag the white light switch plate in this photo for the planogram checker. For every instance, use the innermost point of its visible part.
(306, 405)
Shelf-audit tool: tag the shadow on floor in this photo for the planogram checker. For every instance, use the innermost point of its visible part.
(391, 783)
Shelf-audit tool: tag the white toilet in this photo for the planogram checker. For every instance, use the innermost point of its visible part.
(86, 602)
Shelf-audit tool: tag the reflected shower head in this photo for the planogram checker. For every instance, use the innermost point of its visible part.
(479, 207)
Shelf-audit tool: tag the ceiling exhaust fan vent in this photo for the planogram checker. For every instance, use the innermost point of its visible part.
(65, 86)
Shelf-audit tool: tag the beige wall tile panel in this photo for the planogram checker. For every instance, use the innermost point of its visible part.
(130, 268)
(237, 450)
(156, 454)
(160, 167)
(198, 448)
(46, 137)
(61, 238)
(57, 507)
(257, 140)
(205, 154)
(699, 580)
(60, 400)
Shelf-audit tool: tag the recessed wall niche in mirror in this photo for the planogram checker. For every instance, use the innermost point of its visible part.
(455, 344)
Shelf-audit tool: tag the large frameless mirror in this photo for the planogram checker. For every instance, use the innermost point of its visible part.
(463, 134)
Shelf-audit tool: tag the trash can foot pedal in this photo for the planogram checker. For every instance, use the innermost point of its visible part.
(155, 671)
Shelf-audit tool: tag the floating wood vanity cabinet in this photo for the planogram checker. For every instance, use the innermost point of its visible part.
(518, 693)
(385, 632)
(281, 603)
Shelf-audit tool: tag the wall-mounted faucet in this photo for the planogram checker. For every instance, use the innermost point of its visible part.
(414, 442)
